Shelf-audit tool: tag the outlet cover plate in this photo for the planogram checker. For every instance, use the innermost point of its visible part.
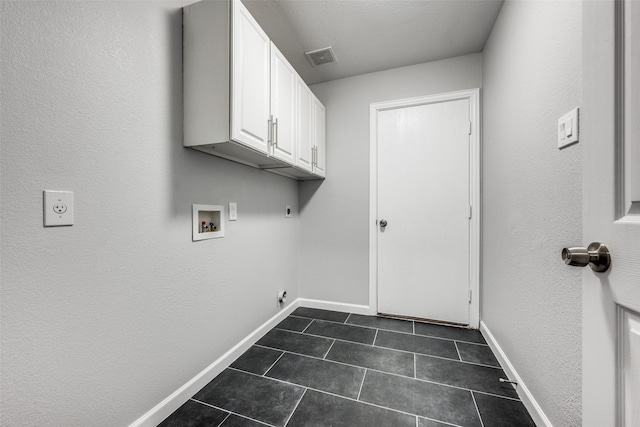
(233, 211)
(568, 129)
(57, 208)
(287, 211)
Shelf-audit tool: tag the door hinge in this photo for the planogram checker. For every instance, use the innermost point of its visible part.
(470, 211)
(470, 292)
(469, 128)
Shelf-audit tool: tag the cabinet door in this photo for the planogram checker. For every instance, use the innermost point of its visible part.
(320, 161)
(283, 107)
(250, 81)
(305, 139)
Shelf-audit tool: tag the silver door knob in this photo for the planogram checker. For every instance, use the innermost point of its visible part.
(596, 256)
(383, 223)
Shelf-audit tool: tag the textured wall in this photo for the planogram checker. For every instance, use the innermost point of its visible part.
(103, 320)
(532, 199)
(334, 254)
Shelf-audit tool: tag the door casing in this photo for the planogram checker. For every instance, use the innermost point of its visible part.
(473, 95)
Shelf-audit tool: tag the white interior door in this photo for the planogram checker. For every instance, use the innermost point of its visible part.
(424, 197)
(610, 128)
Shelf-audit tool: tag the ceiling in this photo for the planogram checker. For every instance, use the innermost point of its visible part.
(374, 35)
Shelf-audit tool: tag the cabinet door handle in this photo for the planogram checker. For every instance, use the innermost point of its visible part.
(275, 132)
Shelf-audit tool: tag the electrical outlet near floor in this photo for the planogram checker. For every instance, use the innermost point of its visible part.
(287, 211)
(282, 297)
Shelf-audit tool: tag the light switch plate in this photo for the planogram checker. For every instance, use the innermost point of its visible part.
(233, 211)
(287, 211)
(568, 128)
(57, 208)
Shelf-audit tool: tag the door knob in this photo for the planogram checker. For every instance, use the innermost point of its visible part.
(597, 256)
(383, 223)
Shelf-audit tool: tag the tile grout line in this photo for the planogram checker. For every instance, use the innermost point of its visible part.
(225, 419)
(330, 347)
(373, 370)
(477, 409)
(429, 355)
(273, 364)
(385, 372)
(377, 327)
(515, 399)
(296, 407)
(361, 384)
(376, 346)
(338, 339)
(375, 337)
(446, 423)
(307, 327)
(390, 373)
(231, 412)
(473, 343)
(318, 391)
(415, 369)
(394, 331)
(304, 332)
(402, 332)
(347, 319)
(417, 425)
(354, 326)
(297, 316)
(457, 351)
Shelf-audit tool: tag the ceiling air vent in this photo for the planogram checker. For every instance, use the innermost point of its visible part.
(321, 56)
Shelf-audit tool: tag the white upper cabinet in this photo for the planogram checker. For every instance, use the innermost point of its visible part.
(305, 136)
(283, 107)
(320, 138)
(243, 101)
(250, 81)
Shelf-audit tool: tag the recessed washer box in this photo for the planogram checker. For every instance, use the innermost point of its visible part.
(208, 222)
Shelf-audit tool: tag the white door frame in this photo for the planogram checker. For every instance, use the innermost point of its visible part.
(473, 95)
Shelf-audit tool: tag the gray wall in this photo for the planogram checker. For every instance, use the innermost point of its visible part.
(334, 215)
(103, 320)
(532, 199)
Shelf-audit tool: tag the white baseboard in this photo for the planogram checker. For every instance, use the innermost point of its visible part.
(165, 408)
(335, 306)
(523, 392)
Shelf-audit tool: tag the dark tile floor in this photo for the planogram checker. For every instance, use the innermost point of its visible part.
(325, 368)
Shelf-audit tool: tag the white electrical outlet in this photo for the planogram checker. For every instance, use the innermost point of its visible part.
(58, 208)
(233, 211)
(287, 211)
